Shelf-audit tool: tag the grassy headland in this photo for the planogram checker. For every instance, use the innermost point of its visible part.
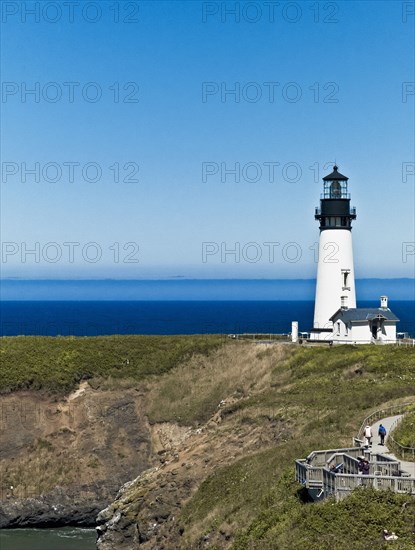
(273, 404)
(321, 395)
(58, 364)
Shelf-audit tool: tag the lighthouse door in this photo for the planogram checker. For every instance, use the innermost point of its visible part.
(374, 328)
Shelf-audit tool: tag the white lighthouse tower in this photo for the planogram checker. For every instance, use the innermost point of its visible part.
(335, 272)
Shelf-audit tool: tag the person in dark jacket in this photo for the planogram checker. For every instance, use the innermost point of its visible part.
(382, 433)
(365, 467)
(360, 464)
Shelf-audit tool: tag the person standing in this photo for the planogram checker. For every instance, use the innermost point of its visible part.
(364, 470)
(368, 435)
(382, 433)
(365, 467)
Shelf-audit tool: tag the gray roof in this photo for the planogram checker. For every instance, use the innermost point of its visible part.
(364, 314)
(335, 176)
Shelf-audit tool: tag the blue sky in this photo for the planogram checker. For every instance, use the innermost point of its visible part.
(342, 81)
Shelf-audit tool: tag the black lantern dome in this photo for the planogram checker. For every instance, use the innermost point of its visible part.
(334, 211)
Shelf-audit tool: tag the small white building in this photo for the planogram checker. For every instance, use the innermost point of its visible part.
(364, 325)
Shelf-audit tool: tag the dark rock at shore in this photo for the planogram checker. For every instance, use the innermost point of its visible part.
(56, 509)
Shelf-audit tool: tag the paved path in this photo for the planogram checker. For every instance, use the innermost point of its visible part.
(377, 448)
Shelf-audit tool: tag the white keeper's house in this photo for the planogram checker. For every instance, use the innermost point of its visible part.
(336, 317)
(364, 325)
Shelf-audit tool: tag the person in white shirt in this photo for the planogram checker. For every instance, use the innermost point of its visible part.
(368, 435)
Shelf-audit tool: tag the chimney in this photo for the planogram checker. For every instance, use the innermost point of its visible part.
(344, 301)
(384, 302)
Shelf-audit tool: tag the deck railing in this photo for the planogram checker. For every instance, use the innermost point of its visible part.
(384, 473)
(317, 470)
(344, 483)
(314, 475)
(321, 458)
(301, 471)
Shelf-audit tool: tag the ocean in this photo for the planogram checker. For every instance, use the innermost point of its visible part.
(94, 318)
(65, 538)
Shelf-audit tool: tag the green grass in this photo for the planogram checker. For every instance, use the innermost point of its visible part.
(405, 432)
(222, 491)
(190, 394)
(59, 364)
(356, 522)
(322, 394)
(404, 435)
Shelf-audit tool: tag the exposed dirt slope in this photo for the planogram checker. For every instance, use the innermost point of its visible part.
(61, 460)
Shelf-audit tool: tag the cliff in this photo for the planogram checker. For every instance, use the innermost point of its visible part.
(61, 460)
(227, 481)
(73, 424)
(200, 454)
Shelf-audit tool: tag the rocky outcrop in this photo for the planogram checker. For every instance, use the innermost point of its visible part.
(146, 513)
(57, 508)
(113, 529)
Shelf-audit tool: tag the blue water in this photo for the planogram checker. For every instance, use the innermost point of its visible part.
(65, 538)
(192, 289)
(167, 317)
(85, 318)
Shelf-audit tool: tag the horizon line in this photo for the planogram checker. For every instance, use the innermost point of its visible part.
(184, 278)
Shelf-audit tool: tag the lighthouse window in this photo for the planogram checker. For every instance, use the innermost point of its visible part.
(338, 328)
(335, 190)
(345, 275)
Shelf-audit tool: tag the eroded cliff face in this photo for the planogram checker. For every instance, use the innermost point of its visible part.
(63, 460)
(213, 430)
(146, 512)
